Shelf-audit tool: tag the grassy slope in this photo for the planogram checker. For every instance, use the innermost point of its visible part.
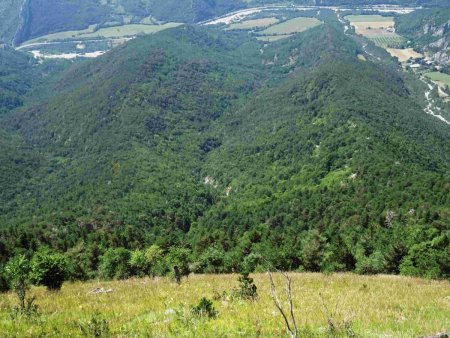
(439, 77)
(296, 25)
(371, 306)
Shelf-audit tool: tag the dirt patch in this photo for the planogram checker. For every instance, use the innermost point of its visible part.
(404, 55)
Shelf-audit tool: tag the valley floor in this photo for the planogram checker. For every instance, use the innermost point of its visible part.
(360, 306)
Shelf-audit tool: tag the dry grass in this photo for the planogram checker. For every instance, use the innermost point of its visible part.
(296, 25)
(377, 28)
(377, 306)
(404, 55)
(371, 25)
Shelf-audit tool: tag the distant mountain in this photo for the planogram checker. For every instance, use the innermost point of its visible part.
(429, 30)
(296, 152)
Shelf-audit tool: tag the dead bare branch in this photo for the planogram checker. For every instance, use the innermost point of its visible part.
(291, 324)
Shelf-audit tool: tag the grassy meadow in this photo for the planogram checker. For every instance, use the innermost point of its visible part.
(404, 55)
(359, 306)
(104, 33)
(296, 25)
(441, 78)
(255, 23)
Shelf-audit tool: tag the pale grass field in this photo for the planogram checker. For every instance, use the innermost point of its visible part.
(103, 33)
(372, 25)
(377, 306)
(273, 38)
(404, 55)
(296, 25)
(250, 24)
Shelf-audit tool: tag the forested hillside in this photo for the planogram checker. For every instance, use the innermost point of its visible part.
(16, 77)
(22, 77)
(296, 154)
(429, 31)
(9, 19)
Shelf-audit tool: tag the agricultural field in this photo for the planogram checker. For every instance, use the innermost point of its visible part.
(351, 305)
(393, 42)
(252, 24)
(296, 25)
(369, 18)
(379, 29)
(104, 33)
(404, 55)
(288, 28)
(441, 79)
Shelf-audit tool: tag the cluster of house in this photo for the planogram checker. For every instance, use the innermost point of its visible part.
(422, 62)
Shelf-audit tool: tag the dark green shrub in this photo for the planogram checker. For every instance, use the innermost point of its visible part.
(428, 259)
(154, 256)
(17, 272)
(205, 309)
(4, 287)
(373, 264)
(252, 262)
(178, 260)
(83, 261)
(138, 263)
(49, 269)
(114, 264)
(147, 262)
(212, 260)
(247, 290)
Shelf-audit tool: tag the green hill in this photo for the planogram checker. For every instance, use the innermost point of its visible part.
(429, 31)
(296, 153)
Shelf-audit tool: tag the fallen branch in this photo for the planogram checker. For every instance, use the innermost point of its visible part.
(97, 291)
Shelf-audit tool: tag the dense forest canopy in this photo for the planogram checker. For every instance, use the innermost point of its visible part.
(297, 154)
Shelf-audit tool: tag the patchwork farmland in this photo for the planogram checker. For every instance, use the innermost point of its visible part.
(288, 28)
(255, 23)
(379, 29)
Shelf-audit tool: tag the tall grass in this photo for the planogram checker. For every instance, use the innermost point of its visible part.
(368, 306)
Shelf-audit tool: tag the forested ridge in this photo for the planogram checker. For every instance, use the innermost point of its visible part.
(229, 155)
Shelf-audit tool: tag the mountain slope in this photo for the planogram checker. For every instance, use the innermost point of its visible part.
(340, 167)
(296, 153)
(429, 31)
